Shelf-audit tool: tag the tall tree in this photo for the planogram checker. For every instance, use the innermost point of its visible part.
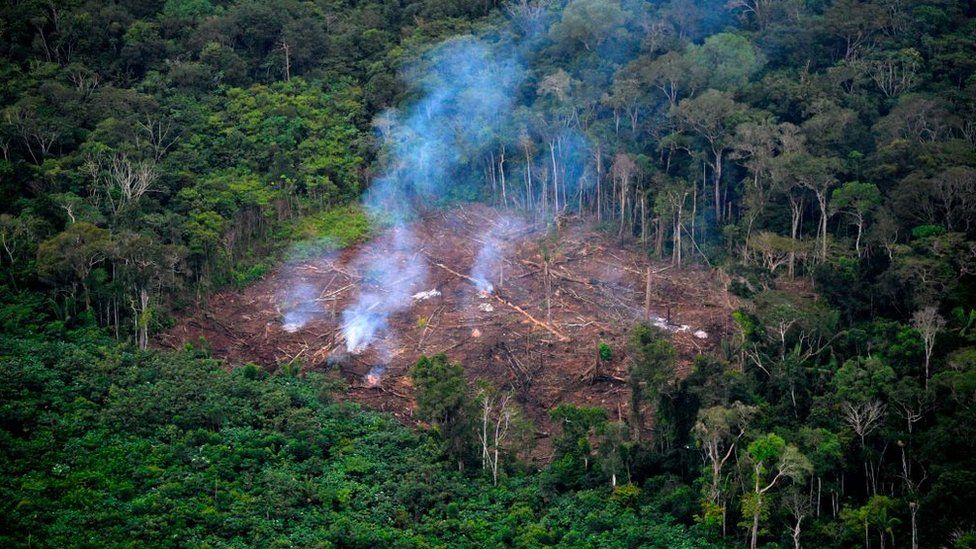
(770, 454)
(712, 117)
(651, 370)
(856, 199)
(442, 399)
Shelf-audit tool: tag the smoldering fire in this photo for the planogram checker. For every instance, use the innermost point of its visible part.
(375, 375)
(463, 81)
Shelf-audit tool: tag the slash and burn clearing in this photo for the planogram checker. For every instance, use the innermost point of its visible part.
(530, 318)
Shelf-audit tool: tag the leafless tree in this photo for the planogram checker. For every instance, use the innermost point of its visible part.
(954, 193)
(913, 484)
(497, 415)
(864, 417)
(38, 137)
(55, 32)
(16, 233)
(86, 81)
(285, 49)
(622, 171)
(799, 506)
(895, 73)
(655, 32)
(120, 179)
(159, 135)
(760, 9)
(928, 322)
(526, 13)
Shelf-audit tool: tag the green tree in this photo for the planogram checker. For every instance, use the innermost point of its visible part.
(442, 399)
(74, 253)
(712, 117)
(717, 432)
(856, 199)
(768, 454)
(651, 371)
(588, 22)
(572, 447)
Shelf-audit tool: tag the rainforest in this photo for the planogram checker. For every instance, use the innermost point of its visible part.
(528, 273)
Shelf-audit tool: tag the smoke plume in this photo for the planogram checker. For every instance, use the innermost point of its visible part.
(488, 262)
(464, 91)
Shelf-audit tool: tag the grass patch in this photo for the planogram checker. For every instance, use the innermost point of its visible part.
(253, 273)
(328, 231)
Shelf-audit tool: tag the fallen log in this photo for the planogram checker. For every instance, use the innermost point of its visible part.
(500, 299)
(535, 321)
(558, 274)
(331, 295)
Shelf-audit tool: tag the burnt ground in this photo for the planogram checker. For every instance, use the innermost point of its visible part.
(598, 291)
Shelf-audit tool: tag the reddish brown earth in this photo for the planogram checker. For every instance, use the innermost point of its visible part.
(598, 294)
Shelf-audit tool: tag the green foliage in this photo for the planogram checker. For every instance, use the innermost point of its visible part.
(822, 153)
(625, 495)
(653, 357)
(862, 379)
(178, 450)
(251, 274)
(577, 424)
(767, 449)
(927, 231)
(443, 400)
(328, 231)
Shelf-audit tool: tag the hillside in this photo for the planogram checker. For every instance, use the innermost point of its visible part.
(598, 292)
(571, 273)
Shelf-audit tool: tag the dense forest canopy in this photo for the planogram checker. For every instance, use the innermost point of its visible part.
(821, 155)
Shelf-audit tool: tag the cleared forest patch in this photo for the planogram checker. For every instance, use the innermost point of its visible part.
(597, 288)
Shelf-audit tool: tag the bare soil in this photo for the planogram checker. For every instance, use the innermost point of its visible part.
(598, 287)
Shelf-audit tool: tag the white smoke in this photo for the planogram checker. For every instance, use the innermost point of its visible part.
(466, 89)
(488, 262)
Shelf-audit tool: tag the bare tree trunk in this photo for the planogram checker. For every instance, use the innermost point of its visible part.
(647, 295)
(286, 49)
(501, 173)
(796, 533)
(528, 179)
(555, 181)
(490, 175)
(755, 519)
(548, 284)
(544, 192)
(717, 182)
(795, 210)
(659, 238)
(694, 211)
(643, 223)
(822, 202)
(559, 145)
(599, 177)
(624, 190)
(144, 319)
(913, 508)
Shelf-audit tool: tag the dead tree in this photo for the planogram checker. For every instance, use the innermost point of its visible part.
(929, 323)
(497, 413)
(158, 134)
(864, 418)
(622, 171)
(121, 180)
(798, 504)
